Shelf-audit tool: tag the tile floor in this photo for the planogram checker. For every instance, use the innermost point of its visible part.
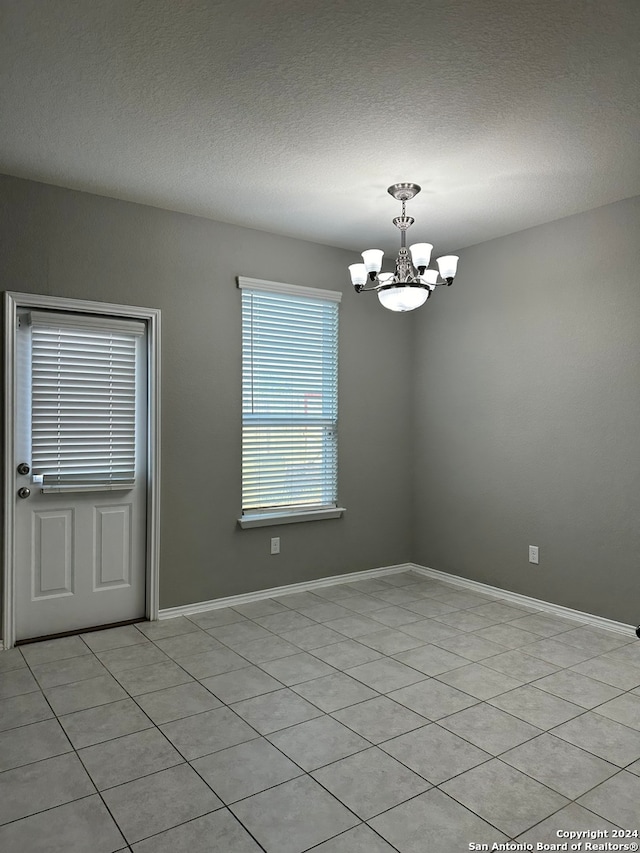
(397, 714)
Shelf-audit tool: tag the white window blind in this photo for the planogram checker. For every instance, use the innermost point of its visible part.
(289, 399)
(83, 401)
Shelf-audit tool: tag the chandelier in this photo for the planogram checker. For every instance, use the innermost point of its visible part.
(412, 283)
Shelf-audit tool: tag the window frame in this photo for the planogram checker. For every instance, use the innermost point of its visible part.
(291, 514)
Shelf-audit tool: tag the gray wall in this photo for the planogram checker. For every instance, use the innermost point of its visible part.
(522, 428)
(527, 414)
(65, 243)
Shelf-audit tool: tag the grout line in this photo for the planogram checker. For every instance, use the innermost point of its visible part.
(382, 656)
(75, 752)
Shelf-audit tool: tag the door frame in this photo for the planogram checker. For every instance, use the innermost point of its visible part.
(12, 302)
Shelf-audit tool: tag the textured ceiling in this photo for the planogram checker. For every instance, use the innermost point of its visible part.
(293, 116)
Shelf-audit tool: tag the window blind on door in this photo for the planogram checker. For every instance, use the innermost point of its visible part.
(289, 399)
(83, 401)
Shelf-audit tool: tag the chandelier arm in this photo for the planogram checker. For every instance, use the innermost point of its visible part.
(375, 288)
(360, 288)
(412, 281)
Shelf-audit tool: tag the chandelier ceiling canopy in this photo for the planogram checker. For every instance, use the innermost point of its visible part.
(412, 283)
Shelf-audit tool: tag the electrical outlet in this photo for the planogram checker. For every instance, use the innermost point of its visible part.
(275, 545)
(533, 554)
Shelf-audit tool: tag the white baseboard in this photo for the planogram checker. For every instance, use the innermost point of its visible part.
(423, 571)
(517, 598)
(276, 592)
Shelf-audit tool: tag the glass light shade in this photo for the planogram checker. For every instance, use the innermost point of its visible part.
(448, 264)
(429, 277)
(403, 298)
(373, 260)
(421, 254)
(358, 273)
(385, 277)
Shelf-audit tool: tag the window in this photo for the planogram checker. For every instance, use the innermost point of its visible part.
(83, 398)
(289, 403)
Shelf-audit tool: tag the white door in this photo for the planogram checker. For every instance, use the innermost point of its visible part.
(81, 431)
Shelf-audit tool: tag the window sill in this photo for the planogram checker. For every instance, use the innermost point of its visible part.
(268, 520)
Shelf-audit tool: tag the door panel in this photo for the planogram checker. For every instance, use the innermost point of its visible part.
(80, 542)
(112, 543)
(52, 560)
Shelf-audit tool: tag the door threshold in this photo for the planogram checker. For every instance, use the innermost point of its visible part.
(77, 631)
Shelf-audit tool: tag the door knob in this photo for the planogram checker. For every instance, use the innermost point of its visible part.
(23, 468)
(24, 492)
